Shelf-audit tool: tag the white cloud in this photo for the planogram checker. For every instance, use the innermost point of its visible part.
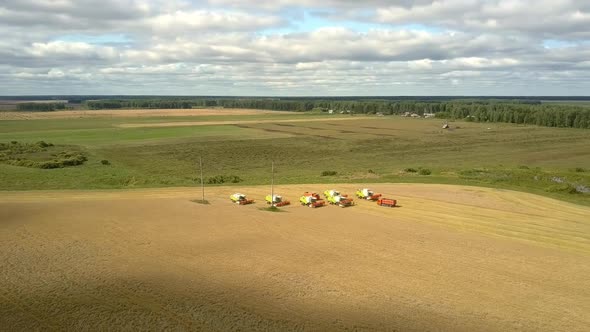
(183, 22)
(545, 18)
(244, 47)
(71, 50)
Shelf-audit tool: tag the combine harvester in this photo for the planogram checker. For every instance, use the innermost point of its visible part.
(335, 198)
(240, 199)
(367, 194)
(276, 200)
(312, 200)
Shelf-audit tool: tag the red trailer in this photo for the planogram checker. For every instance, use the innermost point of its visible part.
(386, 202)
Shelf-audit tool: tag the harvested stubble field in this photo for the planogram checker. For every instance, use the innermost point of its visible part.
(450, 258)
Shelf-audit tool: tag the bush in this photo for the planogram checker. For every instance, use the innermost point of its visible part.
(42, 144)
(580, 170)
(329, 173)
(371, 171)
(523, 167)
(220, 179)
(424, 171)
(410, 170)
(13, 155)
(563, 188)
(105, 162)
(50, 164)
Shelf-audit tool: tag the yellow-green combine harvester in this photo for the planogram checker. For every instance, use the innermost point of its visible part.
(335, 198)
(276, 200)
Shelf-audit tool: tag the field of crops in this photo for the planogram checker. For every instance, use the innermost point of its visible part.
(149, 151)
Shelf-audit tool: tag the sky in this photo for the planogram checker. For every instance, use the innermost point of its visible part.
(295, 47)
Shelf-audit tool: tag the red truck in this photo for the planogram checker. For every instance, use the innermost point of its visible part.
(386, 202)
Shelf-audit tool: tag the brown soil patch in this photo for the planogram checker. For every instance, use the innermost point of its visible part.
(131, 113)
(451, 258)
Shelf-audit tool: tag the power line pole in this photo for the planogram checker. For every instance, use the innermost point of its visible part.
(202, 182)
(272, 185)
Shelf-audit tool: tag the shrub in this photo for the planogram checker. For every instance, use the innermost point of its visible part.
(42, 144)
(12, 155)
(50, 164)
(424, 171)
(105, 162)
(329, 173)
(563, 188)
(523, 167)
(371, 171)
(410, 170)
(220, 179)
(580, 170)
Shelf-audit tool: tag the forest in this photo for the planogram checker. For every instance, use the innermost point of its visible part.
(40, 107)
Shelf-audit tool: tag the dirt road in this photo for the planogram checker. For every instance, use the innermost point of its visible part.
(450, 258)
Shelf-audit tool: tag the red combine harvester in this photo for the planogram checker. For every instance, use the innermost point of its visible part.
(312, 200)
(388, 202)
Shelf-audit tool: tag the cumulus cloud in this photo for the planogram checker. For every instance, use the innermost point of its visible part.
(546, 18)
(294, 47)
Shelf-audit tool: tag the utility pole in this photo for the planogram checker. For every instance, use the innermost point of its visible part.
(202, 182)
(272, 185)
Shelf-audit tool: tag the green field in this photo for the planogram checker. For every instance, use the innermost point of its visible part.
(548, 161)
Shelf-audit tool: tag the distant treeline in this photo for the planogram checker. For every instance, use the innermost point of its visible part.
(486, 110)
(541, 115)
(138, 103)
(40, 107)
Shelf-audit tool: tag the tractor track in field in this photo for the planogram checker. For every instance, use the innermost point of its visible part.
(269, 130)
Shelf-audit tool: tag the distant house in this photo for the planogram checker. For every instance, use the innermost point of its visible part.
(330, 111)
(429, 115)
(415, 115)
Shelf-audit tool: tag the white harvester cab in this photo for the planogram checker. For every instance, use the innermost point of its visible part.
(277, 198)
(238, 197)
(333, 193)
(367, 192)
(310, 199)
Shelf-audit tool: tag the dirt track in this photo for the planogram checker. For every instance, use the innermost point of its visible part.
(451, 258)
(130, 113)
